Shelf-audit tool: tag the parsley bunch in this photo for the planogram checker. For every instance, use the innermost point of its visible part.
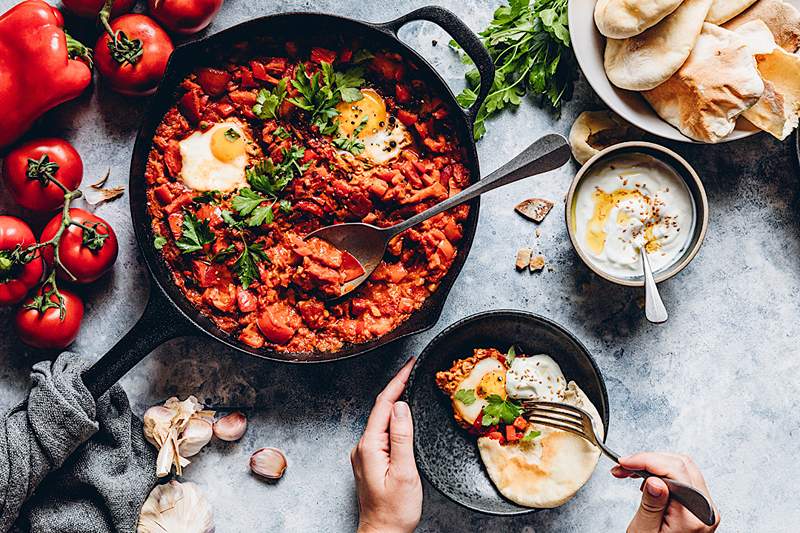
(530, 45)
(268, 102)
(320, 93)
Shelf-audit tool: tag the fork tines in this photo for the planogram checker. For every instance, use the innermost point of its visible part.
(556, 415)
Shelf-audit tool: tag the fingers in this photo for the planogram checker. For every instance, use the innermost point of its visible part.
(378, 422)
(401, 435)
(655, 497)
(669, 465)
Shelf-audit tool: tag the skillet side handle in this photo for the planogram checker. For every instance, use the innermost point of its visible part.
(158, 324)
(461, 33)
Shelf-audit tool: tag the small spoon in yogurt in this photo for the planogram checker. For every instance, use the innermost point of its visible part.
(654, 308)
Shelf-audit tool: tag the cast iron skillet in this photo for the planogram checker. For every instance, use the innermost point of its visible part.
(168, 314)
(447, 455)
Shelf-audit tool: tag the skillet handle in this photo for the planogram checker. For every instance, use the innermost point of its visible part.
(158, 324)
(461, 33)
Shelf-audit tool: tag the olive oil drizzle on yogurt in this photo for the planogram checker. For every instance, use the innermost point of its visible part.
(630, 199)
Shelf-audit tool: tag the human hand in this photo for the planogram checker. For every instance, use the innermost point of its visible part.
(657, 513)
(387, 482)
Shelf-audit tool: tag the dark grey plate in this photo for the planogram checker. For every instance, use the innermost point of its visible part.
(446, 454)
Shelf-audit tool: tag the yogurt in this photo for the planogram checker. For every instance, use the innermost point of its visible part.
(535, 378)
(631, 201)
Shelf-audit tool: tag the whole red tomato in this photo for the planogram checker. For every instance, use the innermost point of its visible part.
(184, 16)
(41, 323)
(133, 56)
(28, 169)
(91, 8)
(18, 274)
(86, 254)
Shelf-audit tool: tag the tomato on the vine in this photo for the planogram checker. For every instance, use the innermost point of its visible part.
(91, 8)
(44, 322)
(28, 171)
(132, 54)
(87, 249)
(19, 272)
(184, 16)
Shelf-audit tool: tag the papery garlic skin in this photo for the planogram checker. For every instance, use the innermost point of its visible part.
(230, 427)
(178, 429)
(176, 508)
(198, 433)
(268, 462)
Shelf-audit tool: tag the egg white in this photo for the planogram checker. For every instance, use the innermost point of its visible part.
(469, 413)
(202, 170)
(367, 119)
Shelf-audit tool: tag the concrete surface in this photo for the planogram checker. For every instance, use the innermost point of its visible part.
(718, 381)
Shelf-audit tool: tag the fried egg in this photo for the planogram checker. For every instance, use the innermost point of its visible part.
(367, 121)
(487, 377)
(215, 159)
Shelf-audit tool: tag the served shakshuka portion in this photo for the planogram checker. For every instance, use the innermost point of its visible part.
(530, 464)
(257, 153)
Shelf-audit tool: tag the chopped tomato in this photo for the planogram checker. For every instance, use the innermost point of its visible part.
(163, 194)
(406, 117)
(520, 423)
(402, 93)
(247, 78)
(175, 221)
(351, 268)
(387, 67)
(246, 300)
(172, 158)
(213, 81)
(278, 323)
(346, 55)
(191, 105)
(511, 434)
(251, 337)
(320, 55)
(276, 65)
(496, 435)
(207, 275)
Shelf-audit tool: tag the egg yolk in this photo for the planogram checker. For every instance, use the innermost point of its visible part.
(492, 383)
(371, 108)
(227, 144)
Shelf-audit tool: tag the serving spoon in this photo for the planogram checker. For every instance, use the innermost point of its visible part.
(367, 243)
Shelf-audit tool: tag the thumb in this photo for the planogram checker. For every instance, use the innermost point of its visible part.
(655, 497)
(401, 437)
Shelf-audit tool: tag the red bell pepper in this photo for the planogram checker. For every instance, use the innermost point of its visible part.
(38, 66)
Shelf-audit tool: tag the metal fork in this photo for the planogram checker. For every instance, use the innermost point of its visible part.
(575, 420)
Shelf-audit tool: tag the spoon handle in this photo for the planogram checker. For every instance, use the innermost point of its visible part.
(548, 153)
(654, 308)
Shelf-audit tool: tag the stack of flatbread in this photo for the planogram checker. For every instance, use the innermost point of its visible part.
(703, 65)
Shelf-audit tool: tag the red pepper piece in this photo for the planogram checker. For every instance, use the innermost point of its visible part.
(213, 81)
(520, 423)
(320, 55)
(37, 71)
(402, 93)
(406, 117)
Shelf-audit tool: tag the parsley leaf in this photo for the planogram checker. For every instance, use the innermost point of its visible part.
(500, 410)
(352, 144)
(194, 234)
(269, 178)
(511, 354)
(530, 44)
(268, 102)
(159, 241)
(466, 396)
(208, 197)
(320, 93)
(530, 436)
(231, 135)
(281, 132)
(246, 264)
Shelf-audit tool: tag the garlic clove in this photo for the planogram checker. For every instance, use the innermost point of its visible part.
(195, 435)
(157, 421)
(268, 462)
(176, 508)
(230, 427)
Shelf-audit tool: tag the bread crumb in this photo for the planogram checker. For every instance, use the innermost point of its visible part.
(537, 263)
(535, 209)
(523, 258)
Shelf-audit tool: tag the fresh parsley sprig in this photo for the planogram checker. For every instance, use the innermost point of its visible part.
(530, 44)
(352, 144)
(268, 102)
(500, 410)
(320, 93)
(247, 263)
(194, 234)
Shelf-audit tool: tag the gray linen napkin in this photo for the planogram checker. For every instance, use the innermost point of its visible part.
(81, 467)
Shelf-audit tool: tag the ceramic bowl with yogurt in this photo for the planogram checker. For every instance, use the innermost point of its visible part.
(636, 194)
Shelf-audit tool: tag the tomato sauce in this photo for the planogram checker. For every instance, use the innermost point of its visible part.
(286, 306)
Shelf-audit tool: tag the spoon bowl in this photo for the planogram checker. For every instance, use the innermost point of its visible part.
(367, 243)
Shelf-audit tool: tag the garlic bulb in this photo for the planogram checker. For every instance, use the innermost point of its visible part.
(178, 429)
(176, 508)
(268, 462)
(197, 434)
(230, 427)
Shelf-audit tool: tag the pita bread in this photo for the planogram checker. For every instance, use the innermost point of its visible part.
(717, 84)
(724, 10)
(549, 470)
(778, 110)
(620, 19)
(782, 19)
(593, 131)
(649, 59)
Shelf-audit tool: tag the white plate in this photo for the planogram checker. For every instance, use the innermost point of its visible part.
(589, 46)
